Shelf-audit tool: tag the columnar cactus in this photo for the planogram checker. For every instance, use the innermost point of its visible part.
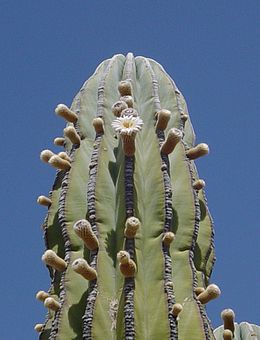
(128, 234)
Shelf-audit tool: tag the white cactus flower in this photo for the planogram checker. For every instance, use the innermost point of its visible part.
(127, 125)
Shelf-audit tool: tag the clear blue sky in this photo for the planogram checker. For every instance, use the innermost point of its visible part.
(211, 49)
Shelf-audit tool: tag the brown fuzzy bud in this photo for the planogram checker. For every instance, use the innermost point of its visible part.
(52, 304)
(54, 261)
(38, 327)
(71, 133)
(184, 117)
(176, 309)
(172, 139)
(127, 265)
(125, 88)
(199, 290)
(228, 317)
(59, 141)
(59, 163)
(198, 151)
(132, 224)
(118, 107)
(81, 267)
(42, 295)
(98, 124)
(227, 334)
(46, 155)
(43, 200)
(163, 117)
(210, 293)
(66, 113)
(168, 238)
(64, 155)
(129, 112)
(83, 229)
(128, 100)
(199, 184)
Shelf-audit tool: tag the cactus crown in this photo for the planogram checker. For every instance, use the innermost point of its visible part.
(128, 224)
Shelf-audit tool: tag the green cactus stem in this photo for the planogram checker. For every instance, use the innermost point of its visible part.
(242, 331)
(128, 234)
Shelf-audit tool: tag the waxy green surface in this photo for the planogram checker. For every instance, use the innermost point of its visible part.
(150, 301)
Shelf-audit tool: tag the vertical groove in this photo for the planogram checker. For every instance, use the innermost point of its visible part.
(129, 285)
(168, 288)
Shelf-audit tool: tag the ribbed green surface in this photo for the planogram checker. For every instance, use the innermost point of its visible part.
(190, 323)
(75, 208)
(54, 240)
(152, 89)
(150, 303)
(243, 331)
(105, 210)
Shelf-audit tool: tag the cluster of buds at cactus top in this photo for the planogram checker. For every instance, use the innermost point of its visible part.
(128, 234)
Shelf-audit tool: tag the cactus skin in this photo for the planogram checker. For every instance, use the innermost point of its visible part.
(243, 331)
(106, 187)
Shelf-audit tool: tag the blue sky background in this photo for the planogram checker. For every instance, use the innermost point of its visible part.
(211, 49)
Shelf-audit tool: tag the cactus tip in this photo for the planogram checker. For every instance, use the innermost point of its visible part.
(45, 155)
(52, 304)
(227, 334)
(98, 124)
(210, 293)
(128, 100)
(123, 256)
(176, 309)
(81, 267)
(63, 111)
(124, 88)
(59, 141)
(127, 265)
(129, 112)
(163, 117)
(38, 327)
(83, 229)
(131, 226)
(172, 139)
(50, 258)
(42, 295)
(59, 163)
(43, 200)
(228, 317)
(168, 237)
(199, 184)
(198, 151)
(118, 107)
(71, 133)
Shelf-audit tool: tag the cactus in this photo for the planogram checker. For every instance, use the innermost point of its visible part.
(242, 331)
(128, 234)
